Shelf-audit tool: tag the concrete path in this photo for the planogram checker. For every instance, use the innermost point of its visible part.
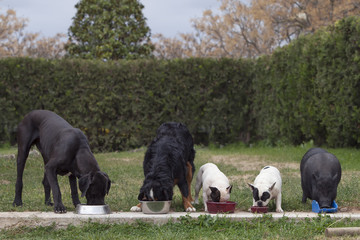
(33, 219)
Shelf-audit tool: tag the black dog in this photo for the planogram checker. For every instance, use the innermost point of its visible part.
(65, 151)
(169, 161)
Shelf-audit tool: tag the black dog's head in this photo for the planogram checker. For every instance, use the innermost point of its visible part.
(155, 190)
(94, 186)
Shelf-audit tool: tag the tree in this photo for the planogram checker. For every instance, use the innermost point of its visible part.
(109, 29)
(15, 43)
(254, 29)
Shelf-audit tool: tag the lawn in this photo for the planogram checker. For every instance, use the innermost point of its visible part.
(241, 165)
(205, 227)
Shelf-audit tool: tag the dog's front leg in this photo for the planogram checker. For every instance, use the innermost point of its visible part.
(47, 191)
(198, 186)
(136, 208)
(50, 172)
(186, 197)
(278, 203)
(74, 190)
(205, 199)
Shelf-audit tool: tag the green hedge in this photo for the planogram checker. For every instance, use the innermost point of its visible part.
(119, 105)
(307, 90)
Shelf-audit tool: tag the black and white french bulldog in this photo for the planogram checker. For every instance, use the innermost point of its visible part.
(215, 184)
(267, 186)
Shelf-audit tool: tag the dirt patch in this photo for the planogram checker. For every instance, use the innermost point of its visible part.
(242, 178)
(251, 162)
(5, 182)
(8, 156)
(121, 159)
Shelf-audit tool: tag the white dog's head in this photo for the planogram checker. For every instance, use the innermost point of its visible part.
(262, 194)
(220, 195)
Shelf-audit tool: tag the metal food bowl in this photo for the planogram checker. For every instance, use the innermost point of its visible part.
(155, 207)
(92, 209)
(221, 207)
(255, 209)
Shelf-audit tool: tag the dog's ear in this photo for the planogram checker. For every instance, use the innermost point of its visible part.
(141, 196)
(251, 186)
(215, 194)
(213, 189)
(108, 182)
(108, 186)
(229, 188)
(84, 183)
(272, 186)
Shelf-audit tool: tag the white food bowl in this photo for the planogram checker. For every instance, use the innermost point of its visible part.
(92, 209)
(155, 207)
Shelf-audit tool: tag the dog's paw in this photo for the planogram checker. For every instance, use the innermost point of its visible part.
(190, 209)
(279, 210)
(59, 208)
(17, 203)
(76, 203)
(135, 209)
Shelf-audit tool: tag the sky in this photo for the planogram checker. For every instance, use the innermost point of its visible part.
(168, 17)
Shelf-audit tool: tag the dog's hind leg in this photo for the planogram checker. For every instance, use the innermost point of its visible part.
(25, 138)
(74, 190)
(198, 185)
(21, 159)
(47, 191)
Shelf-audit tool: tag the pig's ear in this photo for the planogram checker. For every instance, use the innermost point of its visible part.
(229, 188)
(251, 186)
(272, 186)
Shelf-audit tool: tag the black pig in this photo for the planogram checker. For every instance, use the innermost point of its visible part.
(320, 176)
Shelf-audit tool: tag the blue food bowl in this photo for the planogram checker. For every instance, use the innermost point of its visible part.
(316, 208)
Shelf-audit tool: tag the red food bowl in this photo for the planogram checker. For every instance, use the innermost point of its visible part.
(221, 207)
(255, 209)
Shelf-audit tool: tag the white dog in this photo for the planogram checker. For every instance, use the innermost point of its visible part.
(267, 186)
(215, 184)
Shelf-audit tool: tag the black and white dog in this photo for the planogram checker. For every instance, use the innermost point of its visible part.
(215, 184)
(267, 186)
(168, 161)
(65, 151)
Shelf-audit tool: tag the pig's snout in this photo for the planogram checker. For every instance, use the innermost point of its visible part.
(325, 204)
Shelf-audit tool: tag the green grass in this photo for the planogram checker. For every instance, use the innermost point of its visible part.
(205, 227)
(240, 164)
